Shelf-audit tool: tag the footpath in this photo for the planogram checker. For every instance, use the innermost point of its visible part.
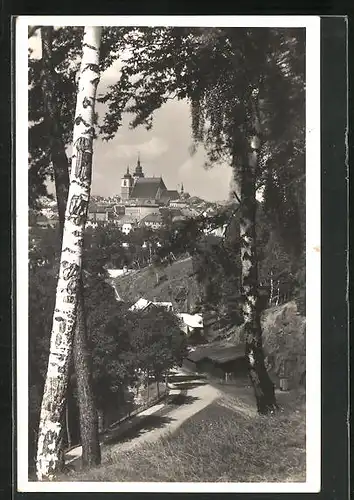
(120, 428)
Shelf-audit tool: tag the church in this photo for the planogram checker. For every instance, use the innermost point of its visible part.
(140, 190)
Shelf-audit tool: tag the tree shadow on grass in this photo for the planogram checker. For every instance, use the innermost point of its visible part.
(189, 385)
(185, 378)
(140, 426)
(182, 399)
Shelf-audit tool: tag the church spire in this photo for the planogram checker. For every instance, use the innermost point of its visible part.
(182, 188)
(138, 169)
(127, 175)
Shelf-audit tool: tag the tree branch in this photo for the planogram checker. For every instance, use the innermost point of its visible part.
(32, 30)
(236, 196)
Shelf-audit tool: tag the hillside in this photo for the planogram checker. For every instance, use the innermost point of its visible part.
(284, 328)
(175, 283)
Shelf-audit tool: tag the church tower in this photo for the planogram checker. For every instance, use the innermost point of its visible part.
(138, 174)
(126, 186)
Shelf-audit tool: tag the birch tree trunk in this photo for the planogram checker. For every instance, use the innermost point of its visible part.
(88, 416)
(54, 396)
(262, 384)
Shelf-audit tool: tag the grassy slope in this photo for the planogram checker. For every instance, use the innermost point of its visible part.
(173, 280)
(217, 444)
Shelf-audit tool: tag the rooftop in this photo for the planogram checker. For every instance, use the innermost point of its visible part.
(152, 218)
(217, 353)
(147, 187)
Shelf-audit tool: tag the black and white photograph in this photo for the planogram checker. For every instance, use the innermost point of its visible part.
(168, 253)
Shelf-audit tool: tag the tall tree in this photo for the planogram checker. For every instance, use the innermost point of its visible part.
(81, 352)
(54, 397)
(245, 87)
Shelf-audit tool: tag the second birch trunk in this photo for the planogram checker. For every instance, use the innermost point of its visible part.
(262, 384)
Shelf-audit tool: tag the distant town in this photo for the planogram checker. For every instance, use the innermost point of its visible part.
(142, 202)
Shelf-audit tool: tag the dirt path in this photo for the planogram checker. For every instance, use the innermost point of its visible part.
(196, 395)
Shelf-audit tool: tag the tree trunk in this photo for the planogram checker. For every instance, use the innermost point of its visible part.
(262, 384)
(89, 436)
(52, 118)
(271, 289)
(54, 396)
(91, 451)
(68, 436)
(278, 295)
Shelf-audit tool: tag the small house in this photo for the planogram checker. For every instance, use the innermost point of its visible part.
(144, 304)
(191, 322)
(223, 363)
(127, 223)
(197, 361)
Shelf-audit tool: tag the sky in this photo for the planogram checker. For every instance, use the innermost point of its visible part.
(164, 150)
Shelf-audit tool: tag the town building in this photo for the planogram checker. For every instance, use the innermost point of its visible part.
(141, 190)
(101, 213)
(127, 223)
(139, 211)
(152, 221)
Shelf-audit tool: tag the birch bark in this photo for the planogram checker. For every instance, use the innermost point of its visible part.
(54, 396)
(262, 384)
(82, 362)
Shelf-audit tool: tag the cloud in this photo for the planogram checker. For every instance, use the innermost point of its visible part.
(212, 183)
(150, 149)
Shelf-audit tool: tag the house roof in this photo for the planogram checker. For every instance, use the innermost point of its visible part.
(126, 219)
(147, 187)
(192, 320)
(196, 356)
(98, 208)
(143, 202)
(143, 304)
(178, 218)
(170, 194)
(218, 354)
(227, 355)
(152, 218)
(189, 212)
(140, 305)
(172, 211)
